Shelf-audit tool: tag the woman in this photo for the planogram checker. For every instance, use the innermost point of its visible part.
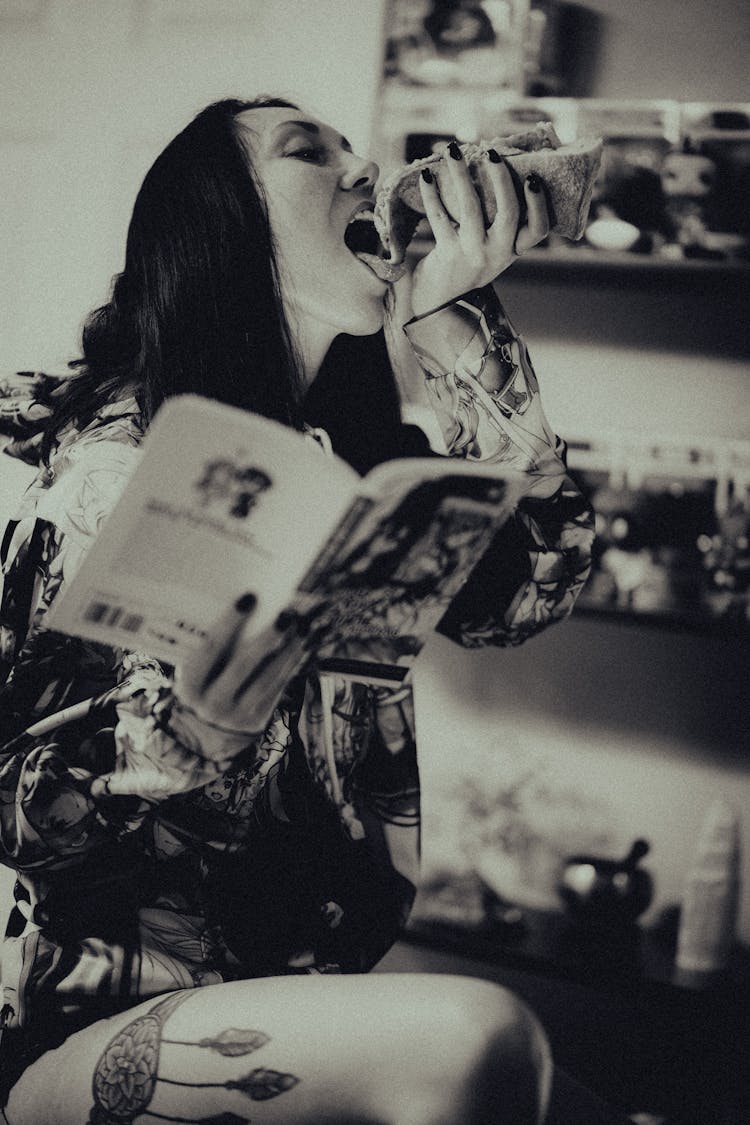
(178, 869)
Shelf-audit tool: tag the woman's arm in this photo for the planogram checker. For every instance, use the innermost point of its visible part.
(476, 374)
(481, 384)
(480, 381)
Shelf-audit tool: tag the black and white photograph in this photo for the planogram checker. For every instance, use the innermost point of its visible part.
(374, 562)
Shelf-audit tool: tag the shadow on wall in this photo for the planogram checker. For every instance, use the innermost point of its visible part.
(694, 313)
(646, 682)
(574, 42)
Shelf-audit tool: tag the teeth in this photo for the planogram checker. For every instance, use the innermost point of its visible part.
(365, 215)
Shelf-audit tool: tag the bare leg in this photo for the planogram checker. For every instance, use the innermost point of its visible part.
(401, 1049)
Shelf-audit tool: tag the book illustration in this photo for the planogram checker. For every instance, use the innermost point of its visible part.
(403, 567)
(225, 482)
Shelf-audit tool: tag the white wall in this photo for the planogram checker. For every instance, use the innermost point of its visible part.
(691, 50)
(92, 91)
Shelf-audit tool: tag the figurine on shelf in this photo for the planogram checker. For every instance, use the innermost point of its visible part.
(623, 558)
(604, 899)
(630, 207)
(611, 891)
(688, 180)
(459, 43)
(455, 26)
(726, 561)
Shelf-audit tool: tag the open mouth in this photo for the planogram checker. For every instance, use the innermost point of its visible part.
(360, 236)
(363, 241)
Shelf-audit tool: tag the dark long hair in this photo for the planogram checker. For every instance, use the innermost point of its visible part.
(197, 307)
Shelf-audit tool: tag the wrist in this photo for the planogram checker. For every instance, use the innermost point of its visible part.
(475, 298)
(459, 334)
(202, 735)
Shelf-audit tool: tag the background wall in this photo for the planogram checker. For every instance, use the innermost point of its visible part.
(91, 92)
(692, 51)
(621, 732)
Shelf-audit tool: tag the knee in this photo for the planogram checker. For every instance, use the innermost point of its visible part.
(503, 1070)
(512, 1077)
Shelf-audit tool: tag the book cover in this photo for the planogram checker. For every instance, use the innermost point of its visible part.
(225, 502)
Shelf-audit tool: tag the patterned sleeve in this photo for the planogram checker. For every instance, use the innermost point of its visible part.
(485, 396)
(26, 402)
(93, 737)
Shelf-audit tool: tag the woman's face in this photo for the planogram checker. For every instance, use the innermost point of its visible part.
(314, 185)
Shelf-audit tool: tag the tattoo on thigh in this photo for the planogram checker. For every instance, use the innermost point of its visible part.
(127, 1074)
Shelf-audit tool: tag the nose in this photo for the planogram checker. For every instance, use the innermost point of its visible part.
(358, 173)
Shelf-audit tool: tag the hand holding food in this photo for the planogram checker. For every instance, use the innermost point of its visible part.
(568, 172)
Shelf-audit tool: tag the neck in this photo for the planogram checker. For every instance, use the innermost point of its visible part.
(313, 339)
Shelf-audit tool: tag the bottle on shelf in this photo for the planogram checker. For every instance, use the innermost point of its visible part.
(708, 913)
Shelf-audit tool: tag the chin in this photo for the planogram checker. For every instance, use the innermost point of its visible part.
(366, 319)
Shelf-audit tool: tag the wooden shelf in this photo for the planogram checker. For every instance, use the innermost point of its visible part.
(551, 944)
(673, 621)
(583, 258)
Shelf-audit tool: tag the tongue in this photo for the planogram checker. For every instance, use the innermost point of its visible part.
(384, 270)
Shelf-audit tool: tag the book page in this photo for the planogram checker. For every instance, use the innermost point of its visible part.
(383, 587)
(223, 502)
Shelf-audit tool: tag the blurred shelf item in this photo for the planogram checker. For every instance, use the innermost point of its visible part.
(629, 118)
(715, 121)
(475, 44)
(548, 942)
(672, 544)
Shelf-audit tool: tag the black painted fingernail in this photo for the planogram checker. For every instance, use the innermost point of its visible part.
(286, 618)
(245, 603)
(427, 175)
(533, 182)
(304, 625)
(455, 151)
(494, 156)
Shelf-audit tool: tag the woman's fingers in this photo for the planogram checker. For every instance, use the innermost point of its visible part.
(536, 227)
(466, 256)
(505, 222)
(470, 218)
(440, 221)
(235, 682)
(205, 665)
(469, 214)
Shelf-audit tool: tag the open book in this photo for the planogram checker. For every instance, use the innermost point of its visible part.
(224, 502)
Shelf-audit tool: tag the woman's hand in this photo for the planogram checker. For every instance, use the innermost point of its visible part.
(465, 255)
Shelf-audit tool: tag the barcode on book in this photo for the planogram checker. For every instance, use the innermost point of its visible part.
(101, 613)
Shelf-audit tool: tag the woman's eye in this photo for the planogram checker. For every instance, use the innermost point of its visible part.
(309, 153)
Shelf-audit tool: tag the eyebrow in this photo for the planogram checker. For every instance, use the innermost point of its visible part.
(313, 129)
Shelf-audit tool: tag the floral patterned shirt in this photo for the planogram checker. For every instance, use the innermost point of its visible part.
(296, 856)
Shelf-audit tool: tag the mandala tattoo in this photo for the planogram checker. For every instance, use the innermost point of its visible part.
(127, 1073)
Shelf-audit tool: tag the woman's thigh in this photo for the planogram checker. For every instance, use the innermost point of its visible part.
(402, 1048)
